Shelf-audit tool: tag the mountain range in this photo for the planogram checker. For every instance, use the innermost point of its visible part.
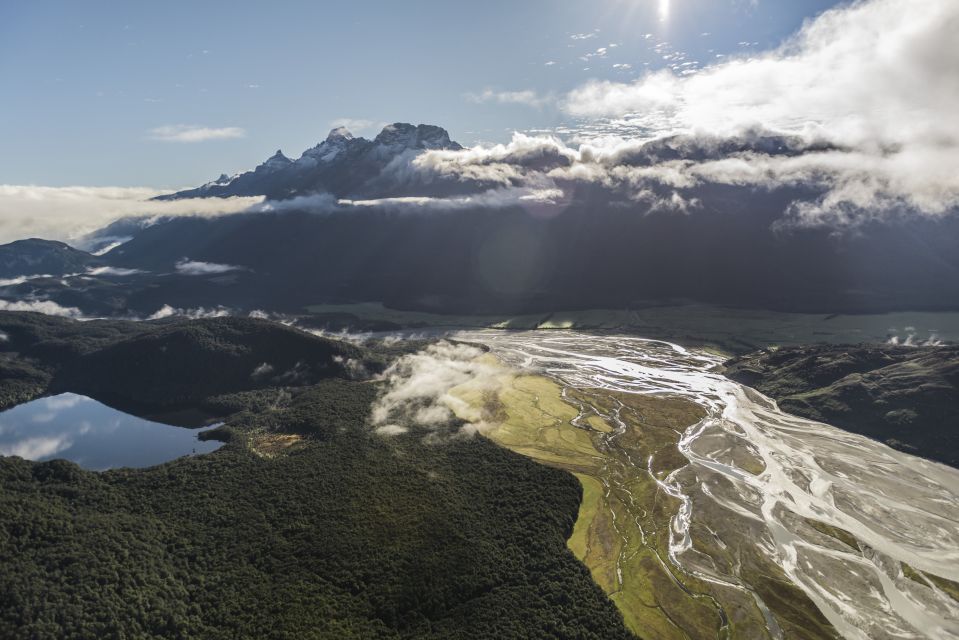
(414, 220)
(340, 165)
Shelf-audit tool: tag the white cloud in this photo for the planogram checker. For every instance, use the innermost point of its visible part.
(37, 448)
(198, 268)
(194, 133)
(9, 282)
(491, 199)
(868, 94)
(421, 389)
(47, 307)
(68, 213)
(358, 126)
(64, 401)
(314, 203)
(526, 97)
(113, 271)
(166, 311)
(871, 73)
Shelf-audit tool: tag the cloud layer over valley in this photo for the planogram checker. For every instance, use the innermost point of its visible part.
(68, 213)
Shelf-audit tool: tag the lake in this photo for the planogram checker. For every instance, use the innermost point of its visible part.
(93, 435)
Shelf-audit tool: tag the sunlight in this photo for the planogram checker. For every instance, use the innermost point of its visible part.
(663, 10)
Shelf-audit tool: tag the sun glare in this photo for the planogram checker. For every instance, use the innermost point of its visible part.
(663, 10)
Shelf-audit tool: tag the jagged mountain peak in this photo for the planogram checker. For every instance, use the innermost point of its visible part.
(408, 136)
(338, 134)
(276, 162)
(340, 164)
(336, 142)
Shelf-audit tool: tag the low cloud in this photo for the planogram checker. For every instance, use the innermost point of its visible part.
(847, 186)
(421, 390)
(314, 203)
(194, 133)
(167, 311)
(188, 267)
(69, 213)
(47, 307)
(9, 282)
(491, 199)
(113, 271)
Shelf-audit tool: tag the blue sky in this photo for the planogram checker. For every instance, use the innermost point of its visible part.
(89, 87)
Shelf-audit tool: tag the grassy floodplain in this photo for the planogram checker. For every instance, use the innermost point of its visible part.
(622, 447)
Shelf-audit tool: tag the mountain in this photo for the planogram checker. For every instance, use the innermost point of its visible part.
(341, 165)
(412, 220)
(907, 397)
(35, 257)
(586, 255)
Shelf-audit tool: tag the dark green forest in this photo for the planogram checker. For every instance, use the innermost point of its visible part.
(341, 534)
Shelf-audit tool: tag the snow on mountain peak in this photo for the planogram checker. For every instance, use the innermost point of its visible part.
(276, 162)
(339, 134)
(402, 135)
(338, 139)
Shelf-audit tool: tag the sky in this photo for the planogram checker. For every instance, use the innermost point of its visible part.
(106, 105)
(167, 95)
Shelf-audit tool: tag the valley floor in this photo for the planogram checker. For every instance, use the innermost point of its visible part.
(708, 512)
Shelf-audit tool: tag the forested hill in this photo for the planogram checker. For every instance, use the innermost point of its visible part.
(305, 524)
(162, 363)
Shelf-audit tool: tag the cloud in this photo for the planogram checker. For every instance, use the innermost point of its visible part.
(492, 199)
(357, 126)
(188, 267)
(103, 244)
(166, 311)
(855, 114)
(314, 203)
(113, 271)
(47, 307)
(194, 133)
(877, 80)
(423, 389)
(64, 401)
(526, 97)
(68, 213)
(9, 282)
(37, 448)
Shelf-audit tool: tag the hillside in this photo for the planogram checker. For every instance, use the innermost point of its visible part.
(165, 363)
(34, 256)
(907, 397)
